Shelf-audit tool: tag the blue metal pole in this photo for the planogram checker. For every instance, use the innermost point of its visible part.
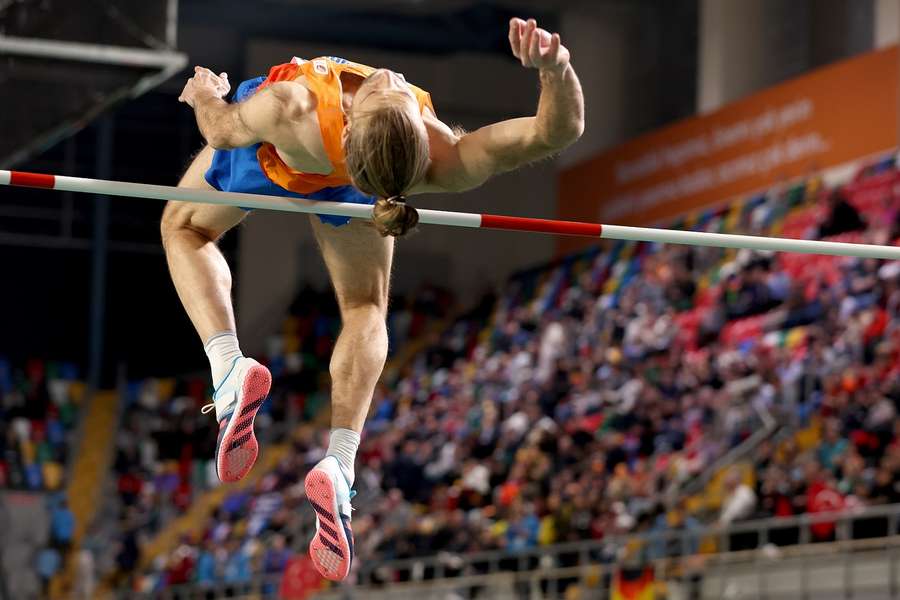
(103, 167)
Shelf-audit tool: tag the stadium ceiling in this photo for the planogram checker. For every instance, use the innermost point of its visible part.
(424, 26)
(62, 63)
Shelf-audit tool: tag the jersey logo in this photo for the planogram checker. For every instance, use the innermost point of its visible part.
(320, 67)
(338, 60)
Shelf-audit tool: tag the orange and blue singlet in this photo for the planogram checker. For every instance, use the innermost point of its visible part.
(258, 169)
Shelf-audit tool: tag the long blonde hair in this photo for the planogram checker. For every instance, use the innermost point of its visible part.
(387, 155)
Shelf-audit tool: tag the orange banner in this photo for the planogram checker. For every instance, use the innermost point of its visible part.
(828, 117)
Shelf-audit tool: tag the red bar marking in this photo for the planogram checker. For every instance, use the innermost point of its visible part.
(541, 225)
(33, 180)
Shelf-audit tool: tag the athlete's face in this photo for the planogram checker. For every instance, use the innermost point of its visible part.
(384, 87)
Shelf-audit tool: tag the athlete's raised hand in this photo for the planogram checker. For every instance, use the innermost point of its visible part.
(536, 47)
(204, 83)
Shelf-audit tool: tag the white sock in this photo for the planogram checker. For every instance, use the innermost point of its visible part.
(222, 350)
(343, 444)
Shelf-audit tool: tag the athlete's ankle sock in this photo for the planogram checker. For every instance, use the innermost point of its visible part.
(343, 444)
(222, 350)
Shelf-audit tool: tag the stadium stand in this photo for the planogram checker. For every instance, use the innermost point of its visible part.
(164, 446)
(622, 391)
(39, 402)
(41, 405)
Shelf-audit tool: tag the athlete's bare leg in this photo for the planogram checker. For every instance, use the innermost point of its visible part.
(359, 262)
(199, 271)
(203, 281)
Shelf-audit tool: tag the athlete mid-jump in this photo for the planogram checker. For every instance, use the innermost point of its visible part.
(329, 129)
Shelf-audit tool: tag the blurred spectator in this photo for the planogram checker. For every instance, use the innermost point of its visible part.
(62, 525)
(740, 500)
(833, 445)
(822, 495)
(205, 569)
(842, 215)
(85, 575)
(276, 556)
(522, 529)
(674, 522)
(47, 565)
(738, 505)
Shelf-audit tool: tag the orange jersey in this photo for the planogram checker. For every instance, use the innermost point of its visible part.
(322, 77)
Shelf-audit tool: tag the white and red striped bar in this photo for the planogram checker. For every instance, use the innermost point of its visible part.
(441, 217)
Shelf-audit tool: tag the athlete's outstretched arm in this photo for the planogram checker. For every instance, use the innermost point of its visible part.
(461, 162)
(260, 118)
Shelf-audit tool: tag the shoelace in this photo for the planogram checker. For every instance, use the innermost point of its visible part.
(212, 405)
(208, 408)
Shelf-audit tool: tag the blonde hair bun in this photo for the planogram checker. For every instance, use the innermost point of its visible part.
(393, 216)
(387, 155)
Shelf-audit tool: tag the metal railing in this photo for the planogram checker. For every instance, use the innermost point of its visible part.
(540, 567)
(780, 531)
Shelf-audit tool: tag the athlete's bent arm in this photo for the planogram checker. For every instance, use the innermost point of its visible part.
(264, 117)
(467, 161)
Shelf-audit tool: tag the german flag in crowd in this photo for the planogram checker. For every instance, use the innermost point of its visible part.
(633, 584)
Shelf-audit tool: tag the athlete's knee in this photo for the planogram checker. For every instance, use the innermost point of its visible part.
(365, 318)
(169, 223)
(175, 218)
(368, 294)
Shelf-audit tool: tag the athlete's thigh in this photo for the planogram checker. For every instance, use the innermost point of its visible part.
(213, 219)
(358, 260)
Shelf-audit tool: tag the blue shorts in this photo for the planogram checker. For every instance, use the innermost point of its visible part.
(238, 170)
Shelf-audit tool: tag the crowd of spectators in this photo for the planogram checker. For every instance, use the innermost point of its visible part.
(623, 378)
(38, 413)
(581, 405)
(253, 532)
(165, 446)
(849, 454)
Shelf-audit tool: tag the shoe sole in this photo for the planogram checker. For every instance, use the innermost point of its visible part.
(238, 448)
(330, 550)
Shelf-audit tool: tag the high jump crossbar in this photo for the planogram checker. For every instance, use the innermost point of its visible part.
(448, 218)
